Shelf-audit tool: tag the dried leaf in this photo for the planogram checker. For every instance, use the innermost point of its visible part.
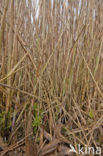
(51, 147)
(2, 144)
(47, 136)
(63, 150)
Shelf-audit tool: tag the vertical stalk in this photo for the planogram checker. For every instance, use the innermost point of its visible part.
(10, 47)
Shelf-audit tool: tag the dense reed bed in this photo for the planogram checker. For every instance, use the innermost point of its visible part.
(51, 75)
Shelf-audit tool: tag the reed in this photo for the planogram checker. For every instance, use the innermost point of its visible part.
(51, 69)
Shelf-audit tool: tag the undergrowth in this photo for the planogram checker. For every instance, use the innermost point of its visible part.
(51, 70)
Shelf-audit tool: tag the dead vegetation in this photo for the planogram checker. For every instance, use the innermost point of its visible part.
(51, 76)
